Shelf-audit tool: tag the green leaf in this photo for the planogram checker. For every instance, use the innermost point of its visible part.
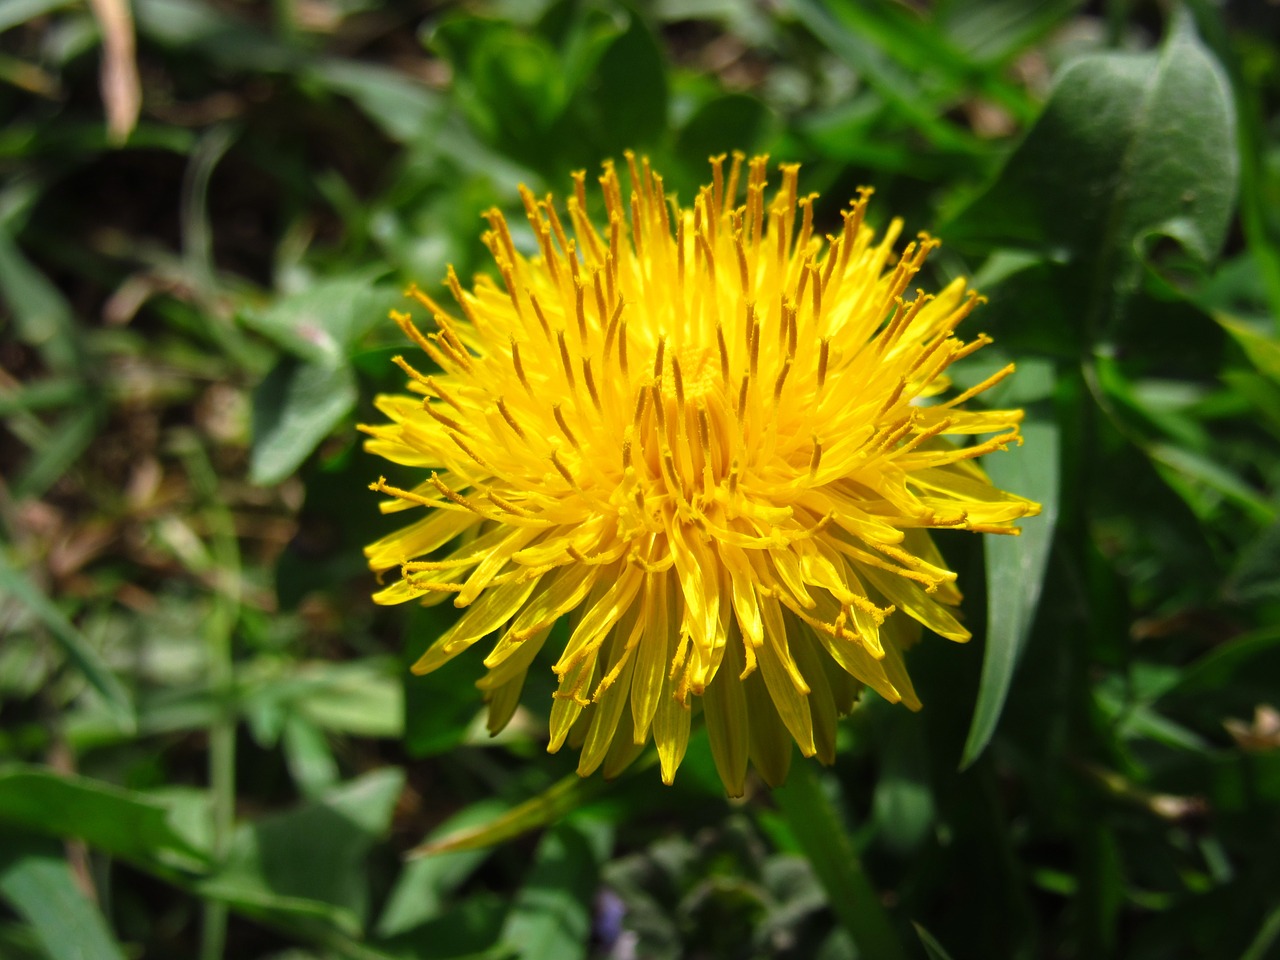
(294, 409)
(932, 948)
(42, 315)
(76, 648)
(550, 918)
(404, 108)
(1256, 575)
(844, 29)
(625, 104)
(51, 459)
(1015, 573)
(420, 890)
(323, 323)
(1204, 472)
(1262, 350)
(37, 882)
(17, 12)
(994, 30)
(1128, 148)
(310, 861)
(123, 823)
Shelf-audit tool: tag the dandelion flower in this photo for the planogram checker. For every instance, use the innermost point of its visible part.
(712, 438)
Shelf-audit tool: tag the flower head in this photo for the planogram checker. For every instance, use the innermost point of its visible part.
(712, 438)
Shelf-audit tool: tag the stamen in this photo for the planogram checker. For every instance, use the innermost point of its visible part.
(564, 427)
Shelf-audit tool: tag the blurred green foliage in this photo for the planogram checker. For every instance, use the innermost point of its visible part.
(210, 744)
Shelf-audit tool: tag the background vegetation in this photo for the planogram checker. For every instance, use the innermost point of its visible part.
(210, 744)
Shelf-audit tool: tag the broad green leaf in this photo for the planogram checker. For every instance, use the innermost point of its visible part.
(625, 104)
(1128, 148)
(310, 861)
(1015, 573)
(295, 408)
(550, 917)
(35, 879)
(323, 323)
(123, 823)
(423, 885)
(360, 697)
(74, 645)
(404, 108)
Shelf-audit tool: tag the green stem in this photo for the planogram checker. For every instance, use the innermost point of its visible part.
(219, 632)
(816, 826)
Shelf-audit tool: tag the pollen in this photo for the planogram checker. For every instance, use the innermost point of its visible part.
(709, 437)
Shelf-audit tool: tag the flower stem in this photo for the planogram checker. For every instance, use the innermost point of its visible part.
(822, 837)
(219, 633)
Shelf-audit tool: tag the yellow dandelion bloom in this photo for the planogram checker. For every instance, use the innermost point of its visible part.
(712, 438)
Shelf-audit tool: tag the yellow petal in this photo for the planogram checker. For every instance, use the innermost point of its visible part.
(486, 615)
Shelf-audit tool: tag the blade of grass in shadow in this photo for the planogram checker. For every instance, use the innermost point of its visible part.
(932, 947)
(816, 827)
(73, 643)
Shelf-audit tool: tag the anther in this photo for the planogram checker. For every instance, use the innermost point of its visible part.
(511, 420)
(519, 367)
(824, 353)
(542, 319)
(642, 397)
(724, 353)
(565, 362)
(657, 358)
(591, 384)
(564, 427)
(782, 379)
